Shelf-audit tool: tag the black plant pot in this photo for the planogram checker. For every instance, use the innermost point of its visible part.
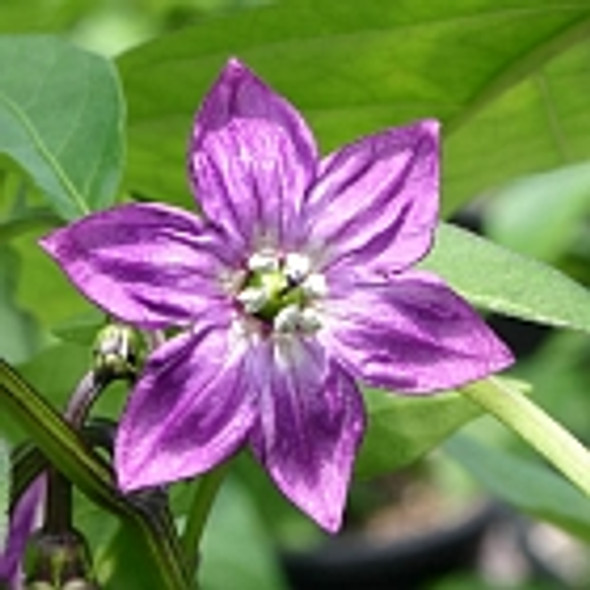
(352, 563)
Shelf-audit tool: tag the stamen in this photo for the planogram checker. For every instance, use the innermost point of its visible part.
(253, 299)
(297, 267)
(264, 261)
(309, 320)
(315, 286)
(278, 291)
(287, 320)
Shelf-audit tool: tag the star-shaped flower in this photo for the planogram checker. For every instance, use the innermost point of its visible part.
(293, 285)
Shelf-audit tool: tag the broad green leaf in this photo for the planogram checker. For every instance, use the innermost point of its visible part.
(539, 215)
(56, 372)
(40, 15)
(61, 115)
(499, 280)
(125, 561)
(43, 287)
(82, 328)
(236, 552)
(402, 429)
(288, 525)
(19, 336)
(541, 124)
(353, 68)
(528, 486)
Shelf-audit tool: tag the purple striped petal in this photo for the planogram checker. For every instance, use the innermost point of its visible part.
(191, 410)
(149, 265)
(251, 159)
(309, 427)
(411, 334)
(375, 202)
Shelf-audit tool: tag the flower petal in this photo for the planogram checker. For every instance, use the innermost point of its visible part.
(150, 265)
(190, 410)
(375, 201)
(310, 424)
(411, 334)
(252, 158)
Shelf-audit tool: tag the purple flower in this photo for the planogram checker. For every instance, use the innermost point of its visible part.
(23, 519)
(294, 283)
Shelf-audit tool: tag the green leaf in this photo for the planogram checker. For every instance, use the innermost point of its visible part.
(56, 371)
(16, 322)
(61, 115)
(513, 479)
(499, 280)
(402, 429)
(541, 124)
(40, 15)
(353, 68)
(519, 214)
(125, 560)
(236, 552)
(43, 287)
(82, 328)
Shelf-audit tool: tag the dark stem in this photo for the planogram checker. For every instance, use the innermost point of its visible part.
(85, 394)
(58, 503)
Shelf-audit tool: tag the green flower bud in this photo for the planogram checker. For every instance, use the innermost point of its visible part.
(58, 561)
(118, 351)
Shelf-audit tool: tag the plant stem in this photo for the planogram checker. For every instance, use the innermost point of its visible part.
(62, 446)
(207, 487)
(536, 427)
(85, 394)
(58, 503)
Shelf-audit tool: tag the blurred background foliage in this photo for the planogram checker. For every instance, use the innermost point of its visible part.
(509, 80)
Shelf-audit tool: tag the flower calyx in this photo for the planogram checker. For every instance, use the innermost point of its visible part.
(58, 561)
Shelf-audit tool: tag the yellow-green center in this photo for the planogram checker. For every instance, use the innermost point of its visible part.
(277, 292)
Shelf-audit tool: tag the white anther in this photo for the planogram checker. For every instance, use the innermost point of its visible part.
(297, 266)
(264, 261)
(315, 286)
(309, 320)
(288, 319)
(253, 299)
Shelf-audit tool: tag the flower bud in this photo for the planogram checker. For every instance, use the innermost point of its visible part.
(118, 349)
(58, 561)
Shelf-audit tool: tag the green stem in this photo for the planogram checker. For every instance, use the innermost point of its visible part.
(62, 446)
(58, 501)
(533, 425)
(207, 487)
(30, 220)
